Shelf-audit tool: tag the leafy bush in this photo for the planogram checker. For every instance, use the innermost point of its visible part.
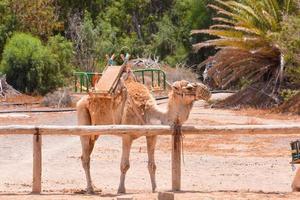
(62, 51)
(31, 67)
(287, 94)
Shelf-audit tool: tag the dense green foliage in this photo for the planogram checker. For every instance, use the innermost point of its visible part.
(38, 18)
(7, 23)
(99, 27)
(139, 27)
(32, 67)
(96, 28)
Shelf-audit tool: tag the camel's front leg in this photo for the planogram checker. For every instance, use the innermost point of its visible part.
(87, 143)
(151, 142)
(126, 146)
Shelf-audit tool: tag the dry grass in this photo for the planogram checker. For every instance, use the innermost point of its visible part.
(26, 99)
(180, 72)
(60, 98)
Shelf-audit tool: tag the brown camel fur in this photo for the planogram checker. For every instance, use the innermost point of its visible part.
(296, 182)
(133, 104)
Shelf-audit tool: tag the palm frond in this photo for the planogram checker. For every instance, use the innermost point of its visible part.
(225, 20)
(221, 33)
(251, 18)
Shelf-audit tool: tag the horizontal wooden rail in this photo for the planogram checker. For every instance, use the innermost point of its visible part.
(147, 130)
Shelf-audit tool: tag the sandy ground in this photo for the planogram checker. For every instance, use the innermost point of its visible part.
(215, 166)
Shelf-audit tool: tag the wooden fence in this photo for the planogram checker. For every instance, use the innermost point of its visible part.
(147, 130)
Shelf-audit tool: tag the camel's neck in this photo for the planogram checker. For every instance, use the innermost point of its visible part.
(176, 111)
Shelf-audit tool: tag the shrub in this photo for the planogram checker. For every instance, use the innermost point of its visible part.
(288, 41)
(7, 23)
(60, 98)
(63, 53)
(31, 67)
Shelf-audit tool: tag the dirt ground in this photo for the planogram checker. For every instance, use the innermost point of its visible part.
(215, 166)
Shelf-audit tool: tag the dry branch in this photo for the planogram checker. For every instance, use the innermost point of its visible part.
(7, 90)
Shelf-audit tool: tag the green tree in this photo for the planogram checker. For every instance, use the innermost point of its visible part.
(140, 27)
(7, 23)
(288, 41)
(31, 67)
(84, 35)
(63, 53)
(39, 18)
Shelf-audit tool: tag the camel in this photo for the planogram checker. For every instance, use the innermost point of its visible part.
(296, 182)
(134, 104)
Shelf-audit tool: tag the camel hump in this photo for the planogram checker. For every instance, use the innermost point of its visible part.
(137, 91)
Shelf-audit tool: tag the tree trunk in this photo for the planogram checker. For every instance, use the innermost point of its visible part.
(137, 25)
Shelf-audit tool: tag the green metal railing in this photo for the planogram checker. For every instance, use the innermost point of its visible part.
(158, 73)
(84, 80)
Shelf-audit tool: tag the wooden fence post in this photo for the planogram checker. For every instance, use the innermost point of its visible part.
(37, 163)
(176, 158)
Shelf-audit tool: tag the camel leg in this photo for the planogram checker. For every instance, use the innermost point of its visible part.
(126, 146)
(87, 142)
(296, 182)
(151, 142)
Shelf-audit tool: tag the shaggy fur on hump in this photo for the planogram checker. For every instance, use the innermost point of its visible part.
(140, 95)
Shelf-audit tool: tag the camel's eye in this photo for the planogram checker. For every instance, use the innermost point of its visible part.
(175, 87)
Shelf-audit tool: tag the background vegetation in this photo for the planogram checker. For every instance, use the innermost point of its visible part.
(96, 28)
(247, 43)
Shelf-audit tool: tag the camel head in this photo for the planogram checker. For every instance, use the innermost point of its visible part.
(190, 92)
(181, 100)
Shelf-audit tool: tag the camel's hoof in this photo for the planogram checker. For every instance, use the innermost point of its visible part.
(153, 190)
(90, 191)
(121, 191)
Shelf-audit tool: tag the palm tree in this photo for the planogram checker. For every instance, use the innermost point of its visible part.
(244, 29)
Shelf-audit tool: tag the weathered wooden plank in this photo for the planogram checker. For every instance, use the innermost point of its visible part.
(119, 130)
(109, 78)
(176, 158)
(37, 164)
